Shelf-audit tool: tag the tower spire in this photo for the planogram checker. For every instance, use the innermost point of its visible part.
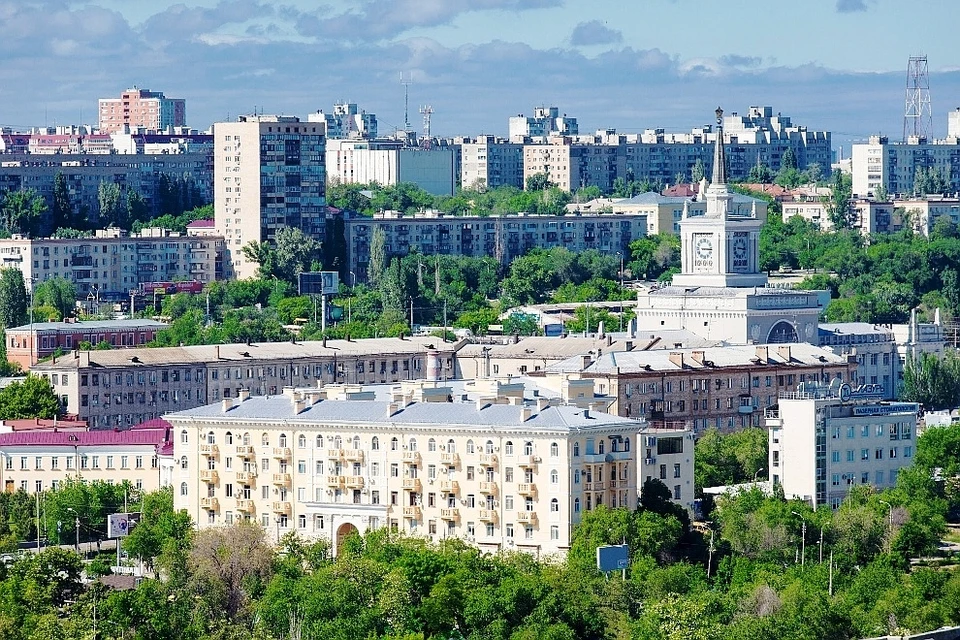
(719, 156)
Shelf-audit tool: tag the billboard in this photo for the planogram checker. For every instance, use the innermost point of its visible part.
(316, 283)
(613, 557)
(120, 525)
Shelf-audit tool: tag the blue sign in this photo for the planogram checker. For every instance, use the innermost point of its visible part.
(613, 557)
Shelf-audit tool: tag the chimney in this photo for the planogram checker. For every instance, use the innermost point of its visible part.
(216, 352)
(601, 333)
(609, 339)
(697, 356)
(526, 413)
(628, 345)
(515, 400)
(586, 413)
(393, 408)
(483, 403)
(227, 404)
(542, 403)
(324, 342)
(585, 361)
(784, 352)
(676, 357)
(299, 405)
(244, 395)
(763, 353)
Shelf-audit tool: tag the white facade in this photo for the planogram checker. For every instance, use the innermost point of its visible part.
(347, 121)
(546, 121)
(490, 162)
(862, 440)
(388, 163)
(893, 166)
(500, 472)
(668, 456)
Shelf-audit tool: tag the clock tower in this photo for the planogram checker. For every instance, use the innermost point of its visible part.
(720, 248)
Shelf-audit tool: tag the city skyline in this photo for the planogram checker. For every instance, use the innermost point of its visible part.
(478, 62)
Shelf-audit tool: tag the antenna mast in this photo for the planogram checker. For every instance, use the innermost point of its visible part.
(427, 111)
(918, 113)
(406, 80)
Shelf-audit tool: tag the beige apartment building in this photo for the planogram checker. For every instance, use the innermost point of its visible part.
(499, 471)
(141, 109)
(269, 173)
(39, 460)
(124, 387)
(488, 162)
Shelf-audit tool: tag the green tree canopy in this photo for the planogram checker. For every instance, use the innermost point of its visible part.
(31, 398)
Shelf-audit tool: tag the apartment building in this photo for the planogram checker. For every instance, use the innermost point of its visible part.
(32, 342)
(488, 162)
(141, 108)
(269, 173)
(499, 471)
(726, 387)
(571, 166)
(546, 121)
(389, 162)
(119, 388)
(668, 456)
(504, 237)
(113, 262)
(824, 440)
(892, 166)
(39, 460)
(347, 121)
(813, 210)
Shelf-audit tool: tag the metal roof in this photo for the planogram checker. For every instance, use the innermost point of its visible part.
(93, 325)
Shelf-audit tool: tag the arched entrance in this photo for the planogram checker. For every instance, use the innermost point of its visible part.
(782, 332)
(343, 532)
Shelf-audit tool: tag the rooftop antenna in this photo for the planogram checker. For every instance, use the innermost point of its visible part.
(427, 111)
(406, 79)
(918, 113)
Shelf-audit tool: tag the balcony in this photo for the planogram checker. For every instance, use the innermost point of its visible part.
(412, 512)
(412, 484)
(450, 459)
(528, 461)
(281, 453)
(450, 514)
(352, 455)
(354, 482)
(246, 477)
(335, 454)
(488, 488)
(281, 507)
(245, 451)
(488, 515)
(282, 479)
(210, 450)
(211, 504)
(336, 482)
(488, 459)
(411, 457)
(246, 506)
(527, 517)
(527, 489)
(745, 408)
(450, 486)
(209, 475)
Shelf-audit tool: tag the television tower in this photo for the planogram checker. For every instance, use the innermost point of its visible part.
(918, 113)
(406, 79)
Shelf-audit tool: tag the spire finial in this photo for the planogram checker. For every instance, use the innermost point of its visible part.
(719, 157)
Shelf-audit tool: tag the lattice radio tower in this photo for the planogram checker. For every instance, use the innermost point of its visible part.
(918, 113)
(406, 79)
(426, 111)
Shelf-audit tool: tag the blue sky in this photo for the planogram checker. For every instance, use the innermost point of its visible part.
(830, 64)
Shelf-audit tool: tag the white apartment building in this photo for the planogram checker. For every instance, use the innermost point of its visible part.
(500, 472)
(269, 173)
(123, 387)
(546, 121)
(813, 210)
(113, 262)
(668, 456)
(825, 440)
(893, 166)
(389, 162)
(347, 121)
(488, 162)
(39, 460)
(501, 236)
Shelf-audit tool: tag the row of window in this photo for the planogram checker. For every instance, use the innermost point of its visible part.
(878, 454)
(38, 485)
(895, 431)
(86, 462)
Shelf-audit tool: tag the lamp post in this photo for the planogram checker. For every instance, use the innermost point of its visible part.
(889, 515)
(803, 537)
(757, 474)
(76, 521)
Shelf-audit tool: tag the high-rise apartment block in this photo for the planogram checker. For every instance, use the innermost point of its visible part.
(488, 162)
(347, 121)
(546, 121)
(141, 109)
(269, 173)
(892, 166)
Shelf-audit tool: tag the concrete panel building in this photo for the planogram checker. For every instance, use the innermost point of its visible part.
(29, 343)
(546, 121)
(500, 471)
(270, 173)
(388, 162)
(892, 166)
(490, 162)
(347, 121)
(141, 109)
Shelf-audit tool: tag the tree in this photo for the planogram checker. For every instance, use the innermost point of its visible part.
(136, 207)
(788, 160)
(58, 293)
(377, 265)
(31, 398)
(261, 253)
(760, 173)
(524, 324)
(7, 368)
(110, 199)
(295, 253)
(160, 529)
(539, 182)
(698, 172)
(932, 381)
(13, 298)
(62, 209)
(839, 201)
(22, 211)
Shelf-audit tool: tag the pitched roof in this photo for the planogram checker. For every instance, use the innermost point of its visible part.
(51, 437)
(93, 325)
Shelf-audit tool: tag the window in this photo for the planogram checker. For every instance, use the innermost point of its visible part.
(413, 444)
(676, 470)
(451, 446)
(183, 488)
(488, 448)
(183, 462)
(508, 503)
(835, 456)
(394, 444)
(576, 505)
(554, 476)
(554, 505)
(301, 441)
(470, 448)
(184, 437)
(554, 450)
(211, 438)
(528, 448)
(508, 448)
(509, 529)
(576, 449)
(431, 445)
(508, 474)
(554, 532)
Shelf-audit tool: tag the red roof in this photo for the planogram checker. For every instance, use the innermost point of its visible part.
(201, 224)
(32, 424)
(153, 437)
(156, 423)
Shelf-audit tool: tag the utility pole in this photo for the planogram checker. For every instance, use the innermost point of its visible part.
(710, 557)
(831, 573)
(77, 523)
(38, 515)
(411, 315)
(821, 545)
(444, 320)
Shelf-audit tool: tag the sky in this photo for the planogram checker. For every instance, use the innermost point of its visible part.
(836, 65)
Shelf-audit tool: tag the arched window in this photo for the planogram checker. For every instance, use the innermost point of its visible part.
(528, 448)
(337, 442)
(554, 477)
(184, 437)
(431, 445)
(302, 441)
(283, 439)
(211, 438)
(576, 449)
(319, 442)
(356, 442)
(508, 448)
(451, 446)
(183, 462)
(554, 450)
(183, 488)
(554, 505)
(265, 440)
(246, 439)
(394, 444)
(375, 443)
(782, 332)
(576, 477)
(489, 447)
(600, 447)
(576, 505)
(413, 444)
(470, 448)
(626, 444)
(228, 437)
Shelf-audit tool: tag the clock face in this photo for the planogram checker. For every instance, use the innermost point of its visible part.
(738, 252)
(703, 251)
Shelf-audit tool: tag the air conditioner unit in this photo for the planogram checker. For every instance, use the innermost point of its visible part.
(443, 447)
(649, 461)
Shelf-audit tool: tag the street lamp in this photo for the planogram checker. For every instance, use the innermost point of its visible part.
(757, 474)
(77, 524)
(889, 514)
(803, 537)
